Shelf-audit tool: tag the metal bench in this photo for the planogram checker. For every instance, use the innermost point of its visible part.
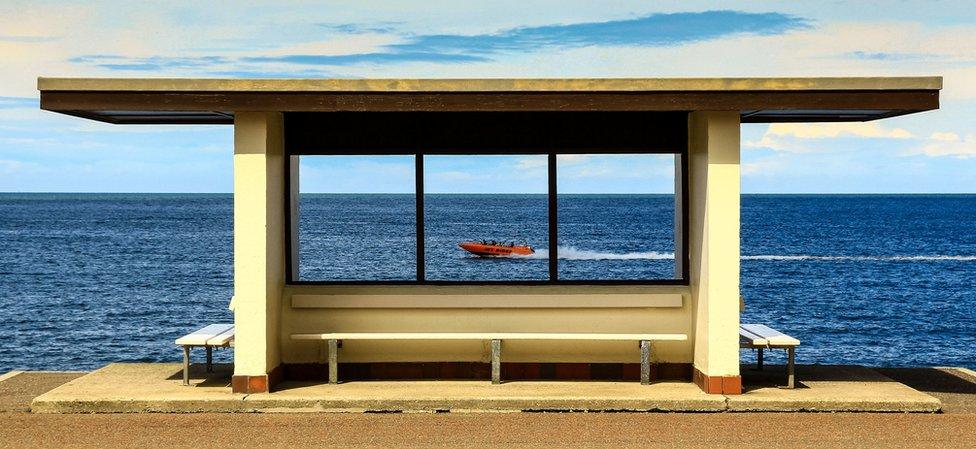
(209, 337)
(496, 339)
(760, 338)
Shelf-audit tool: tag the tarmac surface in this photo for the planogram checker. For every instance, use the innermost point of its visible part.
(718, 430)
(957, 428)
(17, 391)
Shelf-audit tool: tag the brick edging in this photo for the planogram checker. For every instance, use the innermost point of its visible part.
(717, 384)
(261, 383)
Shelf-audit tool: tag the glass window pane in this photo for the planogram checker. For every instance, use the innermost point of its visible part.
(357, 218)
(616, 216)
(484, 200)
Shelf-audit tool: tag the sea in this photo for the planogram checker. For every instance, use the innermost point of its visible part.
(879, 280)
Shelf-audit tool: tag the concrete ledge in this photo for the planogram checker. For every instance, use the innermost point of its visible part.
(481, 395)
(959, 370)
(156, 387)
(9, 375)
(121, 405)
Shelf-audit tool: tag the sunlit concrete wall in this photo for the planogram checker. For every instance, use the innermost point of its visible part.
(714, 240)
(259, 234)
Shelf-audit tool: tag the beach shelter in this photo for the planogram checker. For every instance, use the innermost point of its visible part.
(278, 121)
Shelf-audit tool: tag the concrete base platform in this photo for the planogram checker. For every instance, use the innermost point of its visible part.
(157, 388)
(825, 388)
(143, 387)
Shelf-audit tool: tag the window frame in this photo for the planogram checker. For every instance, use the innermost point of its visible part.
(291, 197)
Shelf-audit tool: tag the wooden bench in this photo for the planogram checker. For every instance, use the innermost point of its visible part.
(209, 337)
(496, 339)
(760, 337)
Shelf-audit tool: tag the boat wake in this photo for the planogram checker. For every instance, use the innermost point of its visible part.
(773, 257)
(572, 253)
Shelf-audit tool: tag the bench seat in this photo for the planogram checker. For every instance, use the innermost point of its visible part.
(209, 337)
(496, 338)
(212, 335)
(761, 337)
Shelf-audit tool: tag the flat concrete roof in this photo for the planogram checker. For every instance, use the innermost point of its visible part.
(487, 84)
(214, 101)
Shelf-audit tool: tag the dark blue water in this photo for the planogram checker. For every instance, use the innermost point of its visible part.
(374, 237)
(87, 279)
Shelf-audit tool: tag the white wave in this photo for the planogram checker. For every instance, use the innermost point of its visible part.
(572, 253)
(920, 258)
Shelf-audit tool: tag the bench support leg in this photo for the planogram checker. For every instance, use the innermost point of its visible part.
(790, 366)
(645, 350)
(186, 365)
(496, 362)
(333, 361)
(759, 360)
(209, 359)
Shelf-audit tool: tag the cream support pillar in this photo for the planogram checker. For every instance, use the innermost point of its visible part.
(259, 259)
(714, 248)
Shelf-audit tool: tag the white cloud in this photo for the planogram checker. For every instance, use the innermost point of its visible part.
(824, 130)
(796, 137)
(762, 167)
(946, 144)
(628, 169)
(9, 167)
(456, 175)
(571, 159)
(945, 136)
(593, 172)
(531, 163)
(342, 45)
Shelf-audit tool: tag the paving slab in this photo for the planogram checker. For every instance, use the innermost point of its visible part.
(828, 388)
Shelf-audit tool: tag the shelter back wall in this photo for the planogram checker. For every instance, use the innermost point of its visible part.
(634, 309)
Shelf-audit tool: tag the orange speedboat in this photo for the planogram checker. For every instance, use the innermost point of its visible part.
(496, 249)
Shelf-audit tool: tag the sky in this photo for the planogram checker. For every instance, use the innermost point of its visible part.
(930, 152)
(608, 174)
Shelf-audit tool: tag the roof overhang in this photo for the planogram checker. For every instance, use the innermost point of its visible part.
(758, 100)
